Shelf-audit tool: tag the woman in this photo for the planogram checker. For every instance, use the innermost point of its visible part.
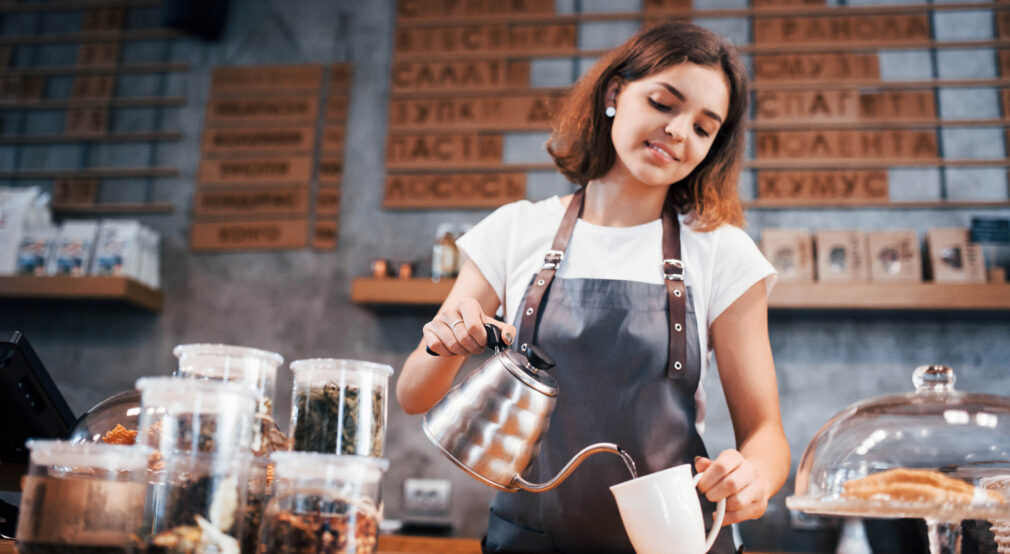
(628, 284)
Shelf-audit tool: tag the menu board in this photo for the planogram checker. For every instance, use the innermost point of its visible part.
(834, 106)
(80, 80)
(260, 152)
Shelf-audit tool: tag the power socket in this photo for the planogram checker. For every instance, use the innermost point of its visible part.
(426, 496)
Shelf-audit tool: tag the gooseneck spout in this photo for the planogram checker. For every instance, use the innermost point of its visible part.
(586, 452)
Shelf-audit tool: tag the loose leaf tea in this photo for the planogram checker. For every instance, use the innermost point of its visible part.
(339, 420)
(185, 522)
(353, 532)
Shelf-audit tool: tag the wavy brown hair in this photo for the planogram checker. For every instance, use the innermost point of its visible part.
(581, 146)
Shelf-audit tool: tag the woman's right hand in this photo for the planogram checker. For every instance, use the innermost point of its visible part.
(459, 330)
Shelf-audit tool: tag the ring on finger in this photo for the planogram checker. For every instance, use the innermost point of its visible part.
(455, 323)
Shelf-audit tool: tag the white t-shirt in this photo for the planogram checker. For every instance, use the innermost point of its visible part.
(508, 247)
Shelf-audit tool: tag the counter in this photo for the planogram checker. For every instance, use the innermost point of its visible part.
(388, 544)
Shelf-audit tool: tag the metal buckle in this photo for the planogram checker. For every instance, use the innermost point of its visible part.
(553, 259)
(669, 265)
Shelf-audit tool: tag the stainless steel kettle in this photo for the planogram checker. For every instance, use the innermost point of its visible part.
(491, 423)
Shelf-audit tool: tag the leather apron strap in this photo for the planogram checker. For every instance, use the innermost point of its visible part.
(552, 260)
(673, 276)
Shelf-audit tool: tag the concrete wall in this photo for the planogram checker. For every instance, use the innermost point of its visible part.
(297, 302)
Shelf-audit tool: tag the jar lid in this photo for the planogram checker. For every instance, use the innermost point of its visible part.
(328, 467)
(176, 395)
(329, 368)
(110, 457)
(245, 358)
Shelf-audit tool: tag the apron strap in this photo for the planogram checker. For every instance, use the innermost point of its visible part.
(673, 276)
(552, 260)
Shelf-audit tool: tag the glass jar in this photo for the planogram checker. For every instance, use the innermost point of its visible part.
(183, 415)
(254, 368)
(339, 406)
(323, 503)
(84, 497)
(259, 493)
(196, 503)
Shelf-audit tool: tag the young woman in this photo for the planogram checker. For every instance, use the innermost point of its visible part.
(628, 284)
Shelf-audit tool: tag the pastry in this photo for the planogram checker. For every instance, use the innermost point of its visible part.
(917, 485)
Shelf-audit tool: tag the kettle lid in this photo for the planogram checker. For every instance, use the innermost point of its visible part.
(531, 370)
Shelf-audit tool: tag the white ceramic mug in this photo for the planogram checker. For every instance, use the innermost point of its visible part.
(661, 512)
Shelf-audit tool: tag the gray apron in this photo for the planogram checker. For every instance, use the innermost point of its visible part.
(618, 383)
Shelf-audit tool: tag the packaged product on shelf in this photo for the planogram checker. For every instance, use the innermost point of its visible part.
(952, 258)
(118, 248)
(150, 259)
(444, 253)
(791, 251)
(71, 254)
(841, 256)
(15, 206)
(34, 249)
(894, 256)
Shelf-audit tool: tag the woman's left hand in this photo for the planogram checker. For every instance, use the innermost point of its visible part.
(733, 477)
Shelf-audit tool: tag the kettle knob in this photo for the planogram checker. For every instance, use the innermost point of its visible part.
(538, 358)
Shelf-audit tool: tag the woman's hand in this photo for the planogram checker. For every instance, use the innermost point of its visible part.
(460, 330)
(733, 477)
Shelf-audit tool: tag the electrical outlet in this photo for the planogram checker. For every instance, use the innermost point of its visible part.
(429, 496)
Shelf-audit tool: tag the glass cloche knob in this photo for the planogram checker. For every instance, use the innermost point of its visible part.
(933, 378)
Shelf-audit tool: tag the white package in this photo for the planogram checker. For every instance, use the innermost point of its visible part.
(36, 244)
(118, 249)
(150, 266)
(15, 203)
(71, 254)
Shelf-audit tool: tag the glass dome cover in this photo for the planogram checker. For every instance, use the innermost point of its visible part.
(935, 453)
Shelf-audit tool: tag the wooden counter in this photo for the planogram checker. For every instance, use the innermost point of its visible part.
(388, 544)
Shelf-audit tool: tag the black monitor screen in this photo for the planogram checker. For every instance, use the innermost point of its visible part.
(30, 404)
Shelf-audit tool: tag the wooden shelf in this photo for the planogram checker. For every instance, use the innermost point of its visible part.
(785, 296)
(829, 204)
(116, 208)
(420, 292)
(98, 172)
(122, 102)
(81, 288)
(140, 136)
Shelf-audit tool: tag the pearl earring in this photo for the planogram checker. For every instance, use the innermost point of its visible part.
(610, 111)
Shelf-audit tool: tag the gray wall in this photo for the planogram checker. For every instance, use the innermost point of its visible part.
(297, 302)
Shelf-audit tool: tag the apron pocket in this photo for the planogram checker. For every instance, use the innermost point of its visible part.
(505, 536)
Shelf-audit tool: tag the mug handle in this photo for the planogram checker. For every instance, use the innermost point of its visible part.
(720, 513)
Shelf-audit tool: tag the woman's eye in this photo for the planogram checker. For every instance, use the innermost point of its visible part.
(658, 106)
(701, 131)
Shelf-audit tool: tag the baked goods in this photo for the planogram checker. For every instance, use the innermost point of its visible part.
(917, 485)
(120, 435)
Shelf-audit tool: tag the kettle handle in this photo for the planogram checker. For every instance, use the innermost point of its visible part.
(494, 340)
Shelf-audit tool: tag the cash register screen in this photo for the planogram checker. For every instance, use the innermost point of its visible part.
(30, 404)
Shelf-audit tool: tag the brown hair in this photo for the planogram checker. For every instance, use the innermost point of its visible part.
(581, 146)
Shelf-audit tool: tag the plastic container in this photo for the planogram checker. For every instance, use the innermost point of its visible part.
(196, 503)
(254, 368)
(323, 503)
(339, 406)
(183, 415)
(86, 498)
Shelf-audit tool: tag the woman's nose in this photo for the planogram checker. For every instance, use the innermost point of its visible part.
(677, 128)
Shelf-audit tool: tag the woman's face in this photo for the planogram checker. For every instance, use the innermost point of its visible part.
(666, 122)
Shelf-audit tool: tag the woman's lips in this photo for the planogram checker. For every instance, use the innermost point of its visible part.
(661, 152)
